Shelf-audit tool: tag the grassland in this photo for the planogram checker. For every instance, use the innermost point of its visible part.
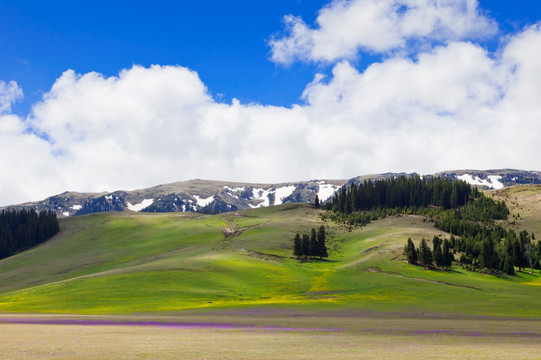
(525, 205)
(120, 263)
(129, 285)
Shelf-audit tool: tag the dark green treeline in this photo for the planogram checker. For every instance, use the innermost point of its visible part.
(22, 229)
(402, 192)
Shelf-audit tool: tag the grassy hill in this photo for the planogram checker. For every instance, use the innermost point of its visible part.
(115, 263)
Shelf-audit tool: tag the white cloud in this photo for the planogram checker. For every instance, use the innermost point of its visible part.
(345, 27)
(452, 106)
(9, 93)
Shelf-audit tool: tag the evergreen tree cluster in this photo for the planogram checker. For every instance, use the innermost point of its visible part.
(497, 250)
(402, 192)
(23, 229)
(501, 250)
(440, 255)
(484, 244)
(310, 246)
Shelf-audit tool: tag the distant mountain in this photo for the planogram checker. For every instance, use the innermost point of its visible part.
(218, 196)
(484, 179)
(495, 179)
(194, 195)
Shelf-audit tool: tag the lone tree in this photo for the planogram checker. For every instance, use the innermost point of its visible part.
(316, 202)
(410, 252)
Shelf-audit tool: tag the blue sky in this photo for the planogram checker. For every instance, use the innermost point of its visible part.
(225, 42)
(126, 94)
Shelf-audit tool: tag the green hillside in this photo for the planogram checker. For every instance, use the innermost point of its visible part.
(140, 263)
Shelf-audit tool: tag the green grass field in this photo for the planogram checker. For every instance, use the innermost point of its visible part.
(125, 263)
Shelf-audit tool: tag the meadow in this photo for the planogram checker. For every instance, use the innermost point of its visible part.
(146, 276)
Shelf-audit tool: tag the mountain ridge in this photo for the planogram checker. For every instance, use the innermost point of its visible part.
(214, 196)
(207, 196)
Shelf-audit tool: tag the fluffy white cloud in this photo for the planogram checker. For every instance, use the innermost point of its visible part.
(346, 26)
(9, 93)
(457, 106)
(452, 106)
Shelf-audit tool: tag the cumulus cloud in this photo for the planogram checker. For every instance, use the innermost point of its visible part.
(144, 127)
(9, 93)
(454, 105)
(345, 27)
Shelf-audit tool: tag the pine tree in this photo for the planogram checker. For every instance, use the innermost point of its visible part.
(322, 248)
(488, 256)
(518, 258)
(297, 245)
(508, 266)
(425, 255)
(437, 252)
(447, 255)
(410, 252)
(306, 250)
(316, 202)
(313, 243)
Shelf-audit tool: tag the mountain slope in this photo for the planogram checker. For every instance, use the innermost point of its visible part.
(137, 262)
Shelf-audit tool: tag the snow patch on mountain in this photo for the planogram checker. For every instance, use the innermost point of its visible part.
(492, 181)
(77, 207)
(326, 190)
(283, 192)
(142, 205)
(233, 191)
(203, 202)
(261, 195)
